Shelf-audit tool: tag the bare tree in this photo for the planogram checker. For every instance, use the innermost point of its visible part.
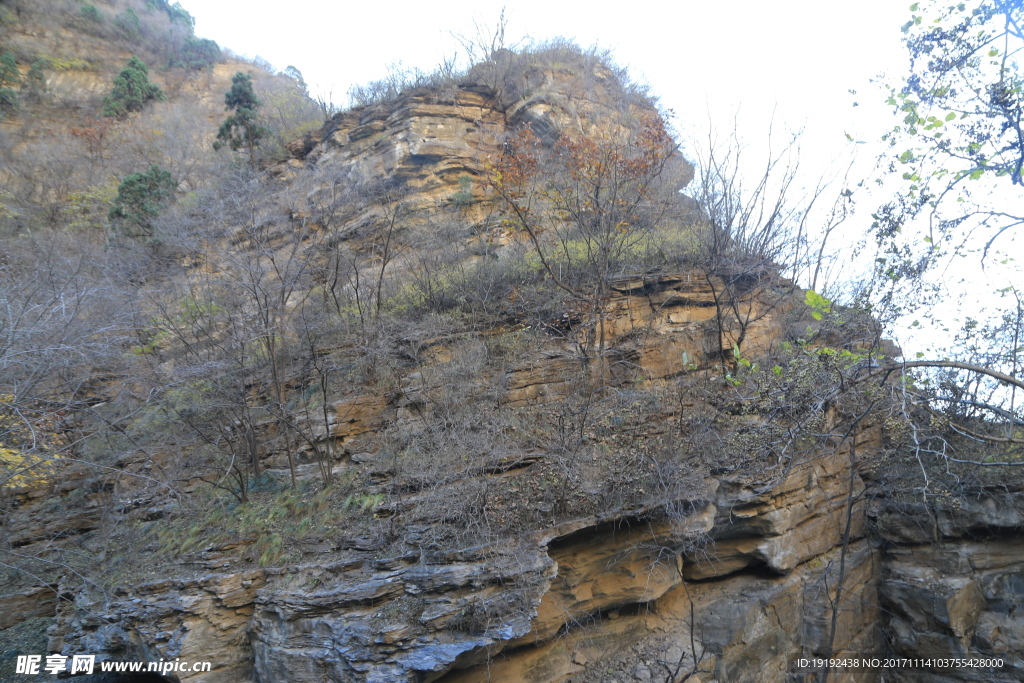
(588, 206)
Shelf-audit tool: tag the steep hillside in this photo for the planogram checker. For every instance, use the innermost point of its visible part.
(458, 386)
(63, 158)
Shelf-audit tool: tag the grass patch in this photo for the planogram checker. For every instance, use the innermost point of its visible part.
(271, 526)
(67, 63)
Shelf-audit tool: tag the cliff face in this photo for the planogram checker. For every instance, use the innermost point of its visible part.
(951, 582)
(622, 599)
(739, 574)
(737, 568)
(699, 499)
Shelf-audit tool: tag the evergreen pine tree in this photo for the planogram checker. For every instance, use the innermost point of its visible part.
(132, 90)
(91, 13)
(128, 26)
(9, 77)
(140, 197)
(241, 129)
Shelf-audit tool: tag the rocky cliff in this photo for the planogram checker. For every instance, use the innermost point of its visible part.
(700, 495)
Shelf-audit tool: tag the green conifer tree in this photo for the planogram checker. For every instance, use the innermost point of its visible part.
(242, 129)
(132, 90)
(9, 78)
(91, 13)
(140, 197)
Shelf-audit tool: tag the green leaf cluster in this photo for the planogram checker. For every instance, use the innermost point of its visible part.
(140, 197)
(819, 305)
(132, 90)
(241, 129)
(194, 52)
(35, 79)
(89, 12)
(10, 77)
(128, 27)
(464, 196)
(178, 15)
(197, 53)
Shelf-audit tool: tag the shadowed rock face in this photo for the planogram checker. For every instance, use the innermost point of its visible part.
(953, 582)
(617, 584)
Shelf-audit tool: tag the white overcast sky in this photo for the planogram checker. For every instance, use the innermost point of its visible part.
(798, 58)
(792, 63)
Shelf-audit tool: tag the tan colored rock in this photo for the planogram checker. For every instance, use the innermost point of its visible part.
(356, 414)
(802, 516)
(423, 143)
(542, 380)
(722, 558)
(736, 592)
(201, 620)
(39, 601)
(668, 323)
(751, 629)
(602, 571)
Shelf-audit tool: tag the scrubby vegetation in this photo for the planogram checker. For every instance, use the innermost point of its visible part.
(139, 199)
(243, 321)
(270, 358)
(242, 128)
(161, 33)
(132, 91)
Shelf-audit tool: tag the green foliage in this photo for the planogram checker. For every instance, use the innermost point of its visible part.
(241, 97)
(178, 15)
(8, 99)
(127, 24)
(241, 129)
(132, 90)
(91, 13)
(296, 75)
(961, 114)
(819, 304)
(10, 77)
(464, 195)
(35, 80)
(9, 74)
(273, 521)
(88, 208)
(197, 53)
(963, 99)
(139, 200)
(66, 64)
